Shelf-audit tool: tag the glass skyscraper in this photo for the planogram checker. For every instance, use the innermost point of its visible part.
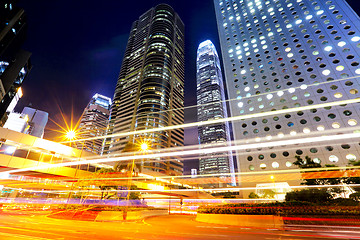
(93, 123)
(150, 89)
(14, 62)
(211, 105)
(292, 73)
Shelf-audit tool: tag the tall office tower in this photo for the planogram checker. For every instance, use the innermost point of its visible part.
(93, 123)
(211, 105)
(14, 62)
(292, 72)
(150, 89)
(30, 121)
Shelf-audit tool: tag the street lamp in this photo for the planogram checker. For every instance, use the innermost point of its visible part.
(144, 146)
(70, 134)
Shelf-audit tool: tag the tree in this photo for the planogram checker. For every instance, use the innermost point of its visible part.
(105, 186)
(253, 195)
(309, 163)
(308, 195)
(125, 166)
(353, 179)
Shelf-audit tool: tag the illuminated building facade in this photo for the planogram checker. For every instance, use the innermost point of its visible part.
(29, 121)
(150, 88)
(285, 62)
(93, 123)
(14, 62)
(211, 105)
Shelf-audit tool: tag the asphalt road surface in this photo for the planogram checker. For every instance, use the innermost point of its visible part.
(24, 225)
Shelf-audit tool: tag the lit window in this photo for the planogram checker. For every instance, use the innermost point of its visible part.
(246, 89)
(341, 44)
(339, 68)
(298, 21)
(355, 39)
(240, 104)
(319, 12)
(335, 125)
(333, 158)
(263, 166)
(269, 96)
(288, 164)
(306, 130)
(352, 122)
(291, 90)
(338, 95)
(317, 160)
(243, 71)
(280, 135)
(303, 87)
(357, 71)
(351, 157)
(293, 133)
(290, 55)
(280, 93)
(309, 17)
(326, 72)
(268, 137)
(320, 128)
(275, 165)
(328, 48)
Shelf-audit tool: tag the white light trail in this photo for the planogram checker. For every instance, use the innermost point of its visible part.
(193, 152)
(223, 120)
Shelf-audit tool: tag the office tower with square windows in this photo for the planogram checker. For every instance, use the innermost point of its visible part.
(93, 124)
(14, 62)
(30, 121)
(150, 89)
(292, 73)
(211, 105)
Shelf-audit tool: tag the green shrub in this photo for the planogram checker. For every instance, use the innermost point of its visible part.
(309, 195)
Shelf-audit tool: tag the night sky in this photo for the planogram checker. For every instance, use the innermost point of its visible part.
(77, 49)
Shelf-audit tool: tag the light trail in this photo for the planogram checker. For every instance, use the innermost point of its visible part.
(235, 189)
(193, 152)
(223, 120)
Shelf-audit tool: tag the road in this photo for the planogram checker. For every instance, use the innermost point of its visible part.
(24, 225)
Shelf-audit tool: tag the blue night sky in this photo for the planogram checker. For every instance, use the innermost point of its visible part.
(77, 49)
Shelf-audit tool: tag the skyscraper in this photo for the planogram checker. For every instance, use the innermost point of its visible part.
(211, 105)
(30, 121)
(292, 72)
(14, 62)
(93, 123)
(150, 89)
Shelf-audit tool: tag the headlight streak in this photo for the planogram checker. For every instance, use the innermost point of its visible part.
(236, 189)
(223, 120)
(192, 152)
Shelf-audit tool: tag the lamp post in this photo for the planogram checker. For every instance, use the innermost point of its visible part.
(273, 180)
(70, 135)
(172, 178)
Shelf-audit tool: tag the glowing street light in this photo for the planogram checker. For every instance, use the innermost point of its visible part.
(70, 134)
(144, 146)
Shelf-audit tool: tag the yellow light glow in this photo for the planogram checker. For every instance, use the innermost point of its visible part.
(144, 146)
(19, 91)
(70, 135)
